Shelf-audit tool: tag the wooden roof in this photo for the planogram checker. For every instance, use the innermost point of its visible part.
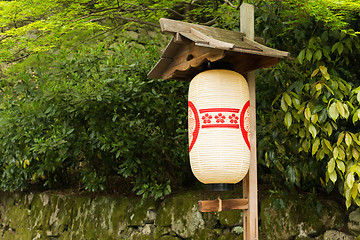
(194, 45)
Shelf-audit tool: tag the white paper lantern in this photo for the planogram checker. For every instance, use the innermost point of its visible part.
(219, 126)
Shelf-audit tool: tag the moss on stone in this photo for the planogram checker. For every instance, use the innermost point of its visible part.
(137, 214)
(119, 215)
(40, 216)
(19, 234)
(205, 234)
(229, 236)
(285, 216)
(304, 238)
(160, 231)
(230, 218)
(181, 213)
(17, 216)
(61, 212)
(168, 237)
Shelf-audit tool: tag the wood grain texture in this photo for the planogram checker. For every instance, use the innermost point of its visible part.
(222, 205)
(190, 39)
(250, 216)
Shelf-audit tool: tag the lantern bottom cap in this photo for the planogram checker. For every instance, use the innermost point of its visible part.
(215, 187)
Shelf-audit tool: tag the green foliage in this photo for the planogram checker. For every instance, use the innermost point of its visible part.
(91, 115)
(28, 27)
(316, 97)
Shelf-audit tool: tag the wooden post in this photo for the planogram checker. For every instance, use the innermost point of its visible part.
(250, 218)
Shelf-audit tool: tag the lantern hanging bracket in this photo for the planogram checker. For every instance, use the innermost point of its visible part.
(219, 205)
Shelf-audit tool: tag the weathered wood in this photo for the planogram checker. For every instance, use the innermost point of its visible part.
(193, 38)
(222, 205)
(212, 41)
(240, 51)
(210, 56)
(250, 182)
(172, 26)
(189, 56)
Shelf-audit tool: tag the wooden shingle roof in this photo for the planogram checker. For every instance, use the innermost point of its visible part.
(194, 45)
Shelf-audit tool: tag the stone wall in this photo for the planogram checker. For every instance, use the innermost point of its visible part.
(51, 215)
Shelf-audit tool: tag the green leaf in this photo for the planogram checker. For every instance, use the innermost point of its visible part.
(312, 130)
(315, 72)
(291, 174)
(317, 108)
(288, 119)
(315, 146)
(323, 116)
(314, 118)
(296, 103)
(336, 152)
(355, 154)
(340, 138)
(331, 165)
(287, 98)
(324, 72)
(329, 128)
(340, 165)
(283, 104)
(301, 56)
(350, 179)
(354, 191)
(341, 154)
(327, 144)
(335, 46)
(302, 133)
(340, 48)
(355, 117)
(305, 145)
(348, 139)
(341, 109)
(317, 55)
(309, 54)
(348, 200)
(333, 176)
(323, 69)
(358, 96)
(307, 113)
(333, 111)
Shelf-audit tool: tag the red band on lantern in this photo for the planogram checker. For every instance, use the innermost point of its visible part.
(233, 110)
(194, 124)
(245, 123)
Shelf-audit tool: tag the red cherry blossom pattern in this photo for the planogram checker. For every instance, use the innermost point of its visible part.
(207, 118)
(233, 118)
(220, 118)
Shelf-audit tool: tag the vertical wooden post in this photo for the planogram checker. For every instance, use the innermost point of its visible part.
(250, 218)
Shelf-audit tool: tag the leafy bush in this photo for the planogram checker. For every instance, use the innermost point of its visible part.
(316, 99)
(92, 115)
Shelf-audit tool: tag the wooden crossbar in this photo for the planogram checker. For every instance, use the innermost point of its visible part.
(219, 205)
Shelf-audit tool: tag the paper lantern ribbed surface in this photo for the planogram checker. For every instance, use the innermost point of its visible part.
(219, 126)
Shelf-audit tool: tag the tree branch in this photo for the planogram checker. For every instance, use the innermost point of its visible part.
(230, 4)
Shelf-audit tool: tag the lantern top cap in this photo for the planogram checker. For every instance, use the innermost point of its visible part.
(194, 45)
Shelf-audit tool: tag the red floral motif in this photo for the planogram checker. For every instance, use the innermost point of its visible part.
(220, 118)
(207, 118)
(233, 118)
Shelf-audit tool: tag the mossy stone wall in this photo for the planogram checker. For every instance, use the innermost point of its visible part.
(66, 216)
